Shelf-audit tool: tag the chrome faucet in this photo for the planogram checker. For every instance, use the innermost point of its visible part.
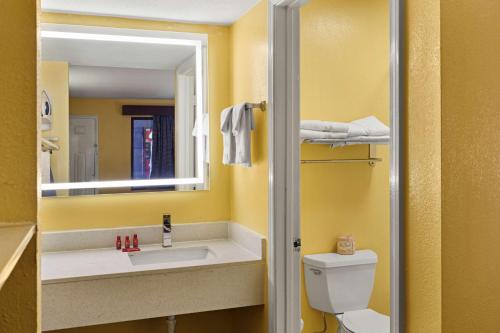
(167, 231)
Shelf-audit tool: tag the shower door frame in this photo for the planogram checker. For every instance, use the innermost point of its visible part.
(284, 166)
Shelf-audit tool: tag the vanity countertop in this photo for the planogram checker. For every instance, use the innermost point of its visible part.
(211, 266)
(66, 266)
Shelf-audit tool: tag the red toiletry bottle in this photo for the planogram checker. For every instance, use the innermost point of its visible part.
(118, 242)
(136, 241)
(127, 242)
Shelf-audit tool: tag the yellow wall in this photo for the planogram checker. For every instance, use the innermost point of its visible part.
(114, 132)
(422, 149)
(18, 137)
(18, 162)
(147, 208)
(249, 186)
(345, 76)
(54, 79)
(470, 54)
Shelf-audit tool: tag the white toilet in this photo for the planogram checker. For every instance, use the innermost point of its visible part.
(342, 285)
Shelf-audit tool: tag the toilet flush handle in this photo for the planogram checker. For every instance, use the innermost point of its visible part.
(315, 271)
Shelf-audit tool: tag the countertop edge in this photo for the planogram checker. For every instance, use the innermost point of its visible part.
(151, 272)
(16, 251)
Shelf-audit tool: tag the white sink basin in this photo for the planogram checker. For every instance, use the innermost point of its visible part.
(170, 255)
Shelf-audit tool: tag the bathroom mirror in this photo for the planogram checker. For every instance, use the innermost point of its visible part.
(123, 111)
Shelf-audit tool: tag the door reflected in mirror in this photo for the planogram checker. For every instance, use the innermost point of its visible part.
(122, 111)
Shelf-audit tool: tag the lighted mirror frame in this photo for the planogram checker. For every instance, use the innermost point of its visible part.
(198, 44)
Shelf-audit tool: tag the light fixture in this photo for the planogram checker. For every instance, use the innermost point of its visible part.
(197, 44)
(118, 38)
(122, 183)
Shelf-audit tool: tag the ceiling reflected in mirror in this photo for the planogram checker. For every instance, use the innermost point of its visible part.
(221, 12)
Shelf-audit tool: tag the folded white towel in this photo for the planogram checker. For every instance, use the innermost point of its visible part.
(371, 125)
(356, 130)
(229, 144)
(243, 124)
(324, 126)
(312, 135)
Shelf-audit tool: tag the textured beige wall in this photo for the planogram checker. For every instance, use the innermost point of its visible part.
(18, 147)
(422, 135)
(18, 297)
(470, 54)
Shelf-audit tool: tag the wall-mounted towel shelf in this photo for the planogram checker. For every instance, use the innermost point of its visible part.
(371, 160)
(48, 145)
(262, 106)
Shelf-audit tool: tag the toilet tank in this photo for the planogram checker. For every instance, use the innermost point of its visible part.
(338, 283)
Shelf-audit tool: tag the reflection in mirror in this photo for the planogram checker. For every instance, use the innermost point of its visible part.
(122, 111)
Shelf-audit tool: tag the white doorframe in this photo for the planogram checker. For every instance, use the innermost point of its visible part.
(397, 167)
(284, 163)
(284, 166)
(185, 114)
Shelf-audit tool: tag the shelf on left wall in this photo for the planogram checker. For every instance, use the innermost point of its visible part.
(14, 238)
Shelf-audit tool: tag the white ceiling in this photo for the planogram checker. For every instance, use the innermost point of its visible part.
(196, 11)
(108, 82)
(118, 69)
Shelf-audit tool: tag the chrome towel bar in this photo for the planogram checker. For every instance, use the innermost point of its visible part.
(371, 160)
(262, 106)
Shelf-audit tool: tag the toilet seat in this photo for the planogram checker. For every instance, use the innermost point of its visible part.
(365, 321)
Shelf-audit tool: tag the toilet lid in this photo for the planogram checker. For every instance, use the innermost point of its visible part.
(366, 321)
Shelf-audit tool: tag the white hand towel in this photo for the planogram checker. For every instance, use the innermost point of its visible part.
(45, 167)
(243, 124)
(372, 126)
(205, 135)
(229, 144)
(312, 135)
(324, 126)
